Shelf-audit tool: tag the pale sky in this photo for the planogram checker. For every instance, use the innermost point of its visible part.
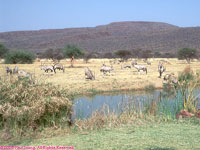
(18, 15)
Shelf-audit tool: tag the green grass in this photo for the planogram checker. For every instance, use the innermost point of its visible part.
(175, 135)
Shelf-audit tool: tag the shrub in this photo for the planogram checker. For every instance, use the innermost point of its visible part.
(123, 54)
(3, 50)
(19, 57)
(25, 105)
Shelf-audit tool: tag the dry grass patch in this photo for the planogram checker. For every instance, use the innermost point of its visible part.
(74, 78)
(25, 105)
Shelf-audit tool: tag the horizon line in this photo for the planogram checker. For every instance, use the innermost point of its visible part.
(42, 29)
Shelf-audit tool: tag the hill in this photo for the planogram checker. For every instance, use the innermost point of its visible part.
(153, 36)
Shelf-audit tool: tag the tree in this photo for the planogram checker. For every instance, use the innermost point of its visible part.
(72, 51)
(54, 54)
(187, 53)
(123, 54)
(3, 50)
(19, 57)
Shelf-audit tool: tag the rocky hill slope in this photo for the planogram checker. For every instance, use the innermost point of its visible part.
(153, 36)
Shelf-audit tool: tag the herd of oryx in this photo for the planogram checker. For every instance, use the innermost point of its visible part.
(15, 70)
(104, 70)
(107, 69)
(46, 68)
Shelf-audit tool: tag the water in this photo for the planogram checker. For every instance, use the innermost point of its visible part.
(112, 103)
(116, 103)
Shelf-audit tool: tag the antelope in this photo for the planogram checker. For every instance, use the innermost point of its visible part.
(161, 69)
(59, 67)
(104, 69)
(89, 74)
(9, 70)
(139, 67)
(148, 62)
(171, 78)
(126, 66)
(47, 68)
(23, 73)
(15, 70)
(164, 62)
(120, 61)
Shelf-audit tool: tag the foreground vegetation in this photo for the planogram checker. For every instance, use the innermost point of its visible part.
(175, 135)
(26, 105)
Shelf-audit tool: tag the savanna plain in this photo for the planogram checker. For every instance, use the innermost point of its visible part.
(73, 79)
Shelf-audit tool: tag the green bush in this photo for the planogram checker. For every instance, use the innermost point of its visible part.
(3, 50)
(19, 57)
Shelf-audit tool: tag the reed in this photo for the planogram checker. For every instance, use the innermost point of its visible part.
(184, 93)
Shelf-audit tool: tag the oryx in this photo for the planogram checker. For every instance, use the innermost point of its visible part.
(15, 70)
(161, 69)
(59, 67)
(139, 67)
(104, 69)
(126, 66)
(89, 74)
(9, 70)
(47, 68)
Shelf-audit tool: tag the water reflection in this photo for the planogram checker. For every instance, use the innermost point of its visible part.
(116, 103)
(112, 103)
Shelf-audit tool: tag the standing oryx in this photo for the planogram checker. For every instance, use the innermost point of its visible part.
(59, 67)
(15, 70)
(139, 67)
(104, 69)
(89, 74)
(161, 69)
(47, 68)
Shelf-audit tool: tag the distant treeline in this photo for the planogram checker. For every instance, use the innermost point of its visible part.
(137, 53)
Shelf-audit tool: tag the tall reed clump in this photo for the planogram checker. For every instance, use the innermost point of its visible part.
(185, 94)
(187, 84)
(27, 105)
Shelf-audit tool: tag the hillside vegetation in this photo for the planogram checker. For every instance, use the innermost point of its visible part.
(153, 36)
